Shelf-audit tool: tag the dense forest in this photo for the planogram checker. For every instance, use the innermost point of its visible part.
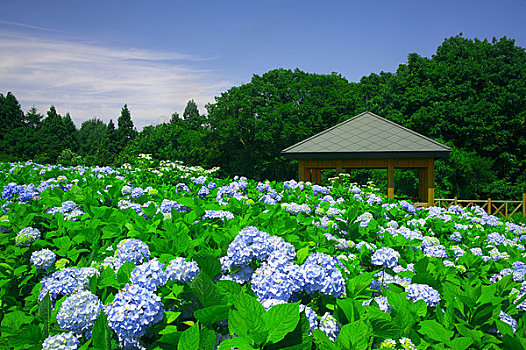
(470, 95)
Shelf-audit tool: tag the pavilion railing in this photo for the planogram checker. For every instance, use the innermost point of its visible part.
(491, 206)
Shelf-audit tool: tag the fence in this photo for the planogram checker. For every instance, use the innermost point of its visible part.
(494, 207)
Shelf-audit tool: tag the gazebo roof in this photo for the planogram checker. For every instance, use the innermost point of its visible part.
(367, 135)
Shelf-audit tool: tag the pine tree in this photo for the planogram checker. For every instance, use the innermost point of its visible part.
(125, 131)
(192, 119)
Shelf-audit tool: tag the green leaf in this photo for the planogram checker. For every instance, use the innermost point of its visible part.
(150, 210)
(461, 343)
(101, 335)
(189, 339)
(212, 314)
(240, 343)
(247, 319)
(124, 273)
(207, 339)
(44, 311)
(208, 264)
(435, 331)
(354, 336)
(206, 291)
(385, 328)
(323, 341)
(302, 254)
(280, 320)
(107, 279)
(348, 309)
(171, 316)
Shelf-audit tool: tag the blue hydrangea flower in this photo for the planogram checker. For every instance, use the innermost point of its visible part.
(423, 292)
(181, 270)
(295, 209)
(329, 326)
(277, 279)
(62, 341)
(437, 251)
(43, 259)
(182, 187)
(320, 189)
(63, 282)
(312, 317)
(203, 191)
(321, 275)
(243, 274)
(167, 205)
(504, 317)
(26, 236)
(137, 192)
(382, 303)
(133, 250)
(79, 312)
(292, 184)
(495, 238)
(385, 256)
(133, 310)
(198, 180)
(149, 275)
(217, 214)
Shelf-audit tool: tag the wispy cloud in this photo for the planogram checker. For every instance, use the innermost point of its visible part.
(91, 80)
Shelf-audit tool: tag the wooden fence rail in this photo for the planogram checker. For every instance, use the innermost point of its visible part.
(494, 207)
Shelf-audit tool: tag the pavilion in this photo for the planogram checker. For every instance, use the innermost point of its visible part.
(368, 141)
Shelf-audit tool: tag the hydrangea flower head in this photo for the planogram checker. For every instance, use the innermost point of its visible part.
(423, 292)
(133, 250)
(63, 282)
(329, 326)
(322, 276)
(43, 259)
(26, 236)
(62, 341)
(385, 256)
(181, 270)
(79, 312)
(133, 310)
(149, 275)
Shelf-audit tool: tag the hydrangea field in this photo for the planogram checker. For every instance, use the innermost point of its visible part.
(172, 257)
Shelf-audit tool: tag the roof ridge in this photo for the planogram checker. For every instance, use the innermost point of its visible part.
(365, 113)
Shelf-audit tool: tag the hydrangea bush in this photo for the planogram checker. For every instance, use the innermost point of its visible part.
(160, 256)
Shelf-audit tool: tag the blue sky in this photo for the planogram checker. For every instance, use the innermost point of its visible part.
(89, 58)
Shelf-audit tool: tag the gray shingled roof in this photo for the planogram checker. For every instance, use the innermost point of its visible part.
(367, 135)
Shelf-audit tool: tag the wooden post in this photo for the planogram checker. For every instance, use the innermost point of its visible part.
(456, 200)
(338, 166)
(317, 176)
(524, 204)
(390, 178)
(422, 184)
(489, 206)
(307, 176)
(301, 169)
(430, 182)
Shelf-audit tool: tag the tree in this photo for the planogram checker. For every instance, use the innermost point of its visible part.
(192, 120)
(125, 131)
(71, 133)
(252, 123)
(175, 119)
(53, 137)
(90, 136)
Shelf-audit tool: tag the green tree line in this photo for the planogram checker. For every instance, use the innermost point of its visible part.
(470, 95)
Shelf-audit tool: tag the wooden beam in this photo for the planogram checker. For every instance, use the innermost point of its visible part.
(390, 178)
(430, 182)
(301, 169)
(318, 176)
